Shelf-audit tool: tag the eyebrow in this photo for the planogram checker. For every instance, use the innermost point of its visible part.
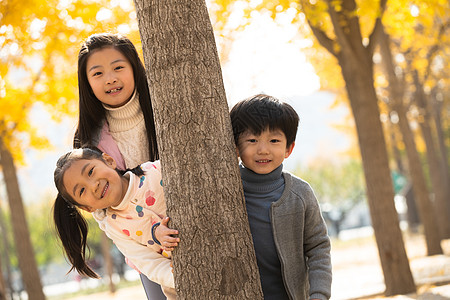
(82, 171)
(277, 132)
(113, 62)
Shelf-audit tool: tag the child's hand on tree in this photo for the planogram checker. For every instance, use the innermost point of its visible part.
(165, 235)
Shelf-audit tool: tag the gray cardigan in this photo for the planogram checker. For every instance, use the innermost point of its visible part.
(302, 241)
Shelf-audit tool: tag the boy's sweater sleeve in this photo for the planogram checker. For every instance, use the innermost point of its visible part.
(317, 249)
(151, 263)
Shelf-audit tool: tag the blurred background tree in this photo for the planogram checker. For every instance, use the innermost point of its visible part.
(411, 71)
(339, 184)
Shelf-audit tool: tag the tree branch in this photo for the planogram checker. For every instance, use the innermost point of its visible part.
(347, 29)
(338, 30)
(323, 39)
(321, 36)
(373, 37)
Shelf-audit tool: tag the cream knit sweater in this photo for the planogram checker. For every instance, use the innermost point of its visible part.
(127, 127)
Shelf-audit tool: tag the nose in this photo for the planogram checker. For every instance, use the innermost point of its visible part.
(94, 186)
(262, 148)
(111, 78)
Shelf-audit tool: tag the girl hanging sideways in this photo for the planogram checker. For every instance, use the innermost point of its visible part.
(128, 206)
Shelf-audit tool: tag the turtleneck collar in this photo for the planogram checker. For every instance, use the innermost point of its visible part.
(261, 183)
(125, 117)
(250, 176)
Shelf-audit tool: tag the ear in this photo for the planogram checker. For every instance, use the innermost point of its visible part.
(289, 150)
(237, 152)
(109, 160)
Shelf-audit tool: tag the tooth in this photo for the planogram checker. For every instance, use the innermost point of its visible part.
(104, 190)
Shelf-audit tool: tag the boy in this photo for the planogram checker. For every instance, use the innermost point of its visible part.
(290, 237)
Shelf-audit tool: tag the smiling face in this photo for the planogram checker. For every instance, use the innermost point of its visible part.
(95, 184)
(265, 152)
(110, 76)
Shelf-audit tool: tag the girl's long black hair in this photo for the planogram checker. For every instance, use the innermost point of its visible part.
(72, 230)
(91, 111)
(71, 226)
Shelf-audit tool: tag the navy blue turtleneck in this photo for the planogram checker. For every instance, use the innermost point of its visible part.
(260, 191)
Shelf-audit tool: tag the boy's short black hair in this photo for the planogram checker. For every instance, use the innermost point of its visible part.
(263, 111)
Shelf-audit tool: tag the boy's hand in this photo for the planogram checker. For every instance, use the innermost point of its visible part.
(165, 235)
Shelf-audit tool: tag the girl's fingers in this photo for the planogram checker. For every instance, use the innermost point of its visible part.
(169, 237)
(169, 232)
(165, 221)
(170, 244)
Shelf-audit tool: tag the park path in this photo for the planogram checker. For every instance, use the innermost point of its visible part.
(357, 273)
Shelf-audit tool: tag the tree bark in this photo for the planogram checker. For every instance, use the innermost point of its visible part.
(25, 253)
(215, 258)
(356, 66)
(421, 195)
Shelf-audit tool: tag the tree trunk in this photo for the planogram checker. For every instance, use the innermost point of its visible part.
(215, 258)
(421, 195)
(5, 253)
(395, 150)
(356, 64)
(445, 170)
(394, 262)
(107, 261)
(2, 284)
(437, 111)
(438, 178)
(25, 253)
(412, 215)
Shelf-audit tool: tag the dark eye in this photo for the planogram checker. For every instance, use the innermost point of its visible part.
(97, 74)
(275, 141)
(91, 171)
(252, 140)
(118, 68)
(81, 191)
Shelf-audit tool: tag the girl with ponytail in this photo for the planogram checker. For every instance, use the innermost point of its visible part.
(128, 205)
